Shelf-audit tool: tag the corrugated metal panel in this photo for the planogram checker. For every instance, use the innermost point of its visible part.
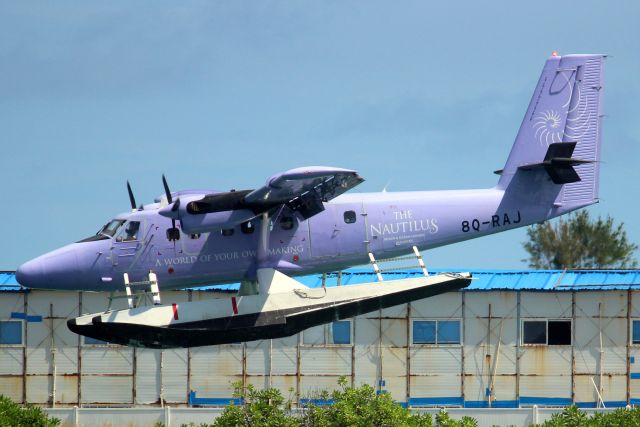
(10, 360)
(107, 360)
(436, 386)
(312, 386)
(614, 388)
(445, 306)
(66, 389)
(174, 375)
(38, 388)
(325, 360)
(106, 389)
(12, 387)
(588, 359)
(546, 386)
(589, 304)
(477, 362)
(147, 376)
(258, 359)
(286, 384)
(394, 361)
(536, 304)
(475, 387)
(394, 332)
(212, 360)
(427, 360)
(635, 304)
(367, 357)
(545, 360)
(395, 311)
(39, 360)
(215, 386)
(504, 387)
(396, 387)
(284, 356)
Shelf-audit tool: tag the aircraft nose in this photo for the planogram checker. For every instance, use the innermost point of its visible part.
(55, 270)
(30, 274)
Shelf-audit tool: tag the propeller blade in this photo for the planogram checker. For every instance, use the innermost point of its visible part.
(176, 205)
(166, 190)
(132, 199)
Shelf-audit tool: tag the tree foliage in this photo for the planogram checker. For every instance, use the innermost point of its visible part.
(351, 406)
(15, 415)
(579, 242)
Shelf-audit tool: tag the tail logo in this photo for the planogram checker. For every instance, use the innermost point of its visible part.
(547, 127)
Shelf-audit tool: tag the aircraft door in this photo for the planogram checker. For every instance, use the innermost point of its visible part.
(128, 246)
(339, 230)
(288, 237)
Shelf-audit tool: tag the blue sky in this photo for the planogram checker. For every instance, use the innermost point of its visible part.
(220, 95)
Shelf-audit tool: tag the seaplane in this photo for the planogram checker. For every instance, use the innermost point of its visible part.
(305, 221)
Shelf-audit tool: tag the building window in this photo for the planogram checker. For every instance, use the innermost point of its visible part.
(635, 337)
(335, 333)
(350, 217)
(436, 332)
(546, 332)
(11, 332)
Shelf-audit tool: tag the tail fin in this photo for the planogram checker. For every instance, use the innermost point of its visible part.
(561, 131)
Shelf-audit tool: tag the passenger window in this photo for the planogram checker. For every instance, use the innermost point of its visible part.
(350, 217)
(227, 231)
(286, 223)
(247, 227)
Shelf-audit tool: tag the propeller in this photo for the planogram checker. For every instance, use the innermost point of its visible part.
(132, 199)
(172, 233)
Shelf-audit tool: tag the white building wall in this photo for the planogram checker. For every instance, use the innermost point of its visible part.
(61, 370)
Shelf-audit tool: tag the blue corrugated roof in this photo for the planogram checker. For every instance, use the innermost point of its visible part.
(484, 280)
(8, 282)
(490, 280)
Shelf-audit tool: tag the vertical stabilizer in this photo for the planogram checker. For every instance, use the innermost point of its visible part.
(566, 108)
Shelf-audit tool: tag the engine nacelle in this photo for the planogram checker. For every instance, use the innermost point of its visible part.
(214, 221)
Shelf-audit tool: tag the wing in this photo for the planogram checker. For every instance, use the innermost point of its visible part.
(304, 189)
(327, 182)
(301, 189)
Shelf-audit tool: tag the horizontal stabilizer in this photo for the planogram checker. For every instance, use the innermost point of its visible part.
(558, 163)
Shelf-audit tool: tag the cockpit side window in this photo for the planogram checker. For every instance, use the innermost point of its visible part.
(129, 232)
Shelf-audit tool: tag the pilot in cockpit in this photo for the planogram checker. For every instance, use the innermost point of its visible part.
(131, 231)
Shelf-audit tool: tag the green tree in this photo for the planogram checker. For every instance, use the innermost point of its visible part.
(14, 415)
(579, 242)
(260, 408)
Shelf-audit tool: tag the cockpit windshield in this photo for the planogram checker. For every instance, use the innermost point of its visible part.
(108, 231)
(111, 228)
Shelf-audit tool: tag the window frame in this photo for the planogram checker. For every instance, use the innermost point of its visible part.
(546, 320)
(436, 343)
(355, 216)
(327, 334)
(15, 345)
(631, 327)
